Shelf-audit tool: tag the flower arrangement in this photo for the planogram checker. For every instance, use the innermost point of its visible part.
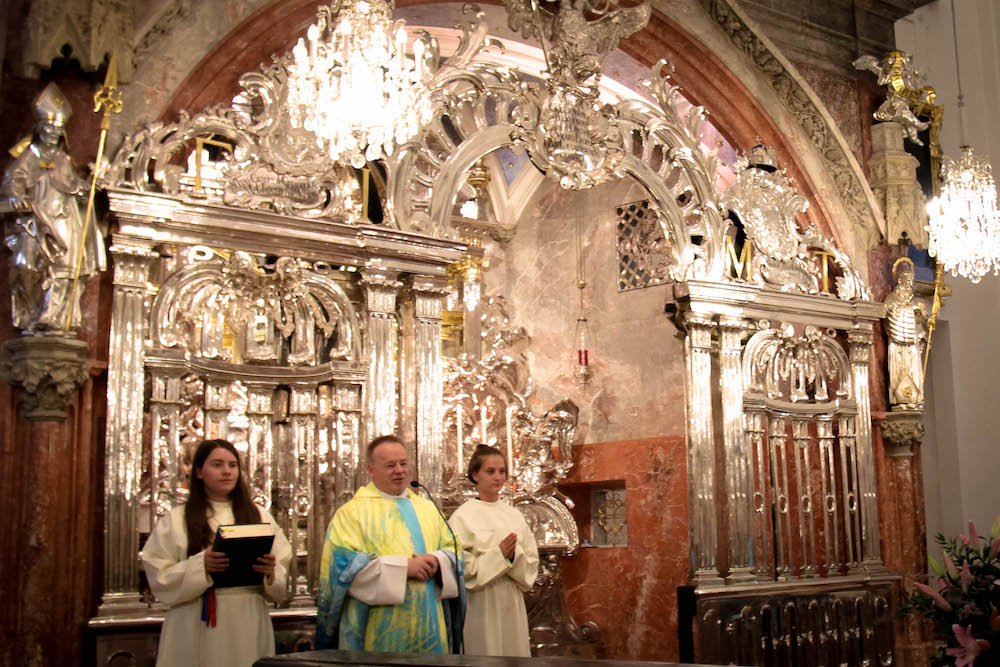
(964, 601)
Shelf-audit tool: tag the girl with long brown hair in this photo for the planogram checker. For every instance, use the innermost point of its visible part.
(205, 625)
(501, 561)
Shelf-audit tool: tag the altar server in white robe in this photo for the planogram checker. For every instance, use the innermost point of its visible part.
(501, 561)
(207, 626)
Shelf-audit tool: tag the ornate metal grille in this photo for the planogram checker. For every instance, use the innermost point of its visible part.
(801, 418)
(642, 247)
(281, 381)
(608, 518)
(809, 627)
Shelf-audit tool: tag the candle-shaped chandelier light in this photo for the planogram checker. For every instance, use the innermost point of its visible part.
(352, 85)
(964, 223)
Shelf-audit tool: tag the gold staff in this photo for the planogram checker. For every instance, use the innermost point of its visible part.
(108, 98)
(941, 290)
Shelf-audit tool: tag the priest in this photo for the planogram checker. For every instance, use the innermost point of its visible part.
(390, 577)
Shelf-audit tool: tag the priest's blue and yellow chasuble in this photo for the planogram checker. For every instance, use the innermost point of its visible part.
(366, 527)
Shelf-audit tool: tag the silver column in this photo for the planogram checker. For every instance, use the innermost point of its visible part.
(802, 442)
(165, 467)
(738, 454)
(756, 420)
(777, 441)
(123, 443)
(303, 406)
(847, 430)
(701, 449)
(260, 441)
(828, 488)
(217, 409)
(382, 397)
(428, 295)
(860, 343)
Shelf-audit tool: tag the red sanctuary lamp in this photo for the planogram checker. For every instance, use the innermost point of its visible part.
(582, 342)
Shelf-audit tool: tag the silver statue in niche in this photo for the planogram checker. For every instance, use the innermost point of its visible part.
(907, 330)
(47, 237)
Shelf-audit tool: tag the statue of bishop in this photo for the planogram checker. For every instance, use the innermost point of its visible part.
(47, 237)
(907, 331)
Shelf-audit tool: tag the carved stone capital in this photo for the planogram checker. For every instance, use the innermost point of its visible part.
(49, 369)
(428, 296)
(381, 288)
(860, 344)
(131, 265)
(903, 431)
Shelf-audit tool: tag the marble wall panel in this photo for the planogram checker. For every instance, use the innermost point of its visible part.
(637, 389)
(630, 592)
(839, 95)
(171, 47)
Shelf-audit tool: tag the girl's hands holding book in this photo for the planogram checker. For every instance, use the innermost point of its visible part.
(265, 565)
(216, 561)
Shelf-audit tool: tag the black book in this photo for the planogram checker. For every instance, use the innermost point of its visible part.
(243, 544)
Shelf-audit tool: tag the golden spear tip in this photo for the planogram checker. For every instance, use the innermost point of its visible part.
(111, 78)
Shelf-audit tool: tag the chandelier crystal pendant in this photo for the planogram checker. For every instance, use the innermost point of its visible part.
(352, 85)
(964, 223)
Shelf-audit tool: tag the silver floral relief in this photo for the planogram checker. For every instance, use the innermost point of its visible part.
(236, 310)
(486, 402)
(235, 156)
(782, 363)
(489, 107)
(765, 203)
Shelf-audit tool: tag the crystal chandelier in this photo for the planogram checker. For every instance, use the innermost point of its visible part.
(353, 86)
(964, 223)
(963, 220)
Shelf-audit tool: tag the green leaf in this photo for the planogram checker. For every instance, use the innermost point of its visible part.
(938, 570)
(995, 530)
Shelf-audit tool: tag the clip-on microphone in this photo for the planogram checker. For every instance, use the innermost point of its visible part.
(454, 541)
